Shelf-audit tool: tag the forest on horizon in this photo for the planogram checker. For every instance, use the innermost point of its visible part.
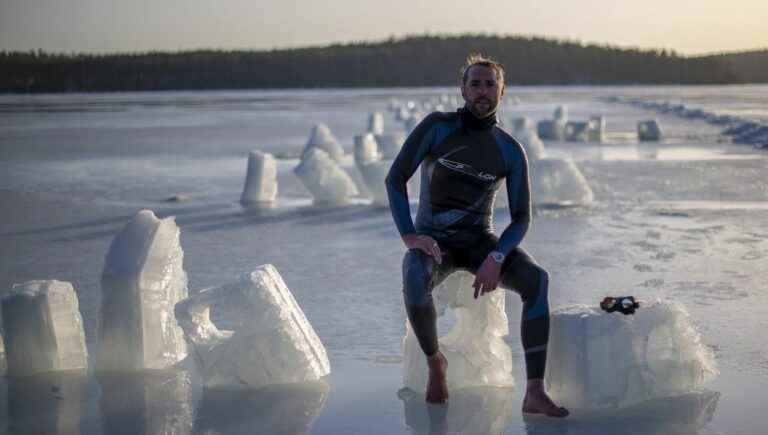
(411, 61)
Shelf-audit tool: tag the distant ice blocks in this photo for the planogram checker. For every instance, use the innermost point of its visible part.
(576, 131)
(143, 280)
(366, 148)
(534, 147)
(596, 129)
(649, 130)
(390, 144)
(261, 180)
(376, 123)
(551, 129)
(324, 178)
(270, 341)
(600, 360)
(559, 182)
(374, 173)
(476, 352)
(3, 363)
(322, 138)
(43, 328)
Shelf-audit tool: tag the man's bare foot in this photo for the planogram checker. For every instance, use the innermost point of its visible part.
(537, 401)
(437, 387)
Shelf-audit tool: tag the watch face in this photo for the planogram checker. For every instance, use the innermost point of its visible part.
(497, 257)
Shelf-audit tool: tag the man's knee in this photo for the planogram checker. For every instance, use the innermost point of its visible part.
(418, 270)
(530, 281)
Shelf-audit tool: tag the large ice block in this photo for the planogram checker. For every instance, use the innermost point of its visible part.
(324, 178)
(143, 279)
(261, 180)
(43, 328)
(559, 182)
(374, 173)
(534, 147)
(376, 123)
(268, 339)
(390, 144)
(649, 130)
(521, 123)
(476, 352)
(322, 138)
(601, 360)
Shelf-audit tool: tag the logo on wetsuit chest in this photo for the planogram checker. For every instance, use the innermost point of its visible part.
(466, 169)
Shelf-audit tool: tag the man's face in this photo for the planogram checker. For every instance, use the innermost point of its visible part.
(482, 91)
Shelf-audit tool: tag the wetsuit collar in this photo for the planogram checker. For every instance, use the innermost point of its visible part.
(470, 121)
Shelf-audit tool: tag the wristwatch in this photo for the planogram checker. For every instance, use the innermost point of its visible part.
(497, 256)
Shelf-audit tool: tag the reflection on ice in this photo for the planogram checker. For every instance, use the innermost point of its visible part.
(276, 409)
(474, 410)
(50, 403)
(681, 415)
(151, 403)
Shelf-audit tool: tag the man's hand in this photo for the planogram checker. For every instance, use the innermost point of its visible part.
(426, 244)
(487, 277)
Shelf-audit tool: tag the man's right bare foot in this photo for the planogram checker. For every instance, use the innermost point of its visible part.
(437, 386)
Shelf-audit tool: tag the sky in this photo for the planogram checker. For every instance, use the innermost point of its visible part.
(100, 26)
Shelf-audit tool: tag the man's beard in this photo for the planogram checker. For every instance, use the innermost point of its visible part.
(482, 113)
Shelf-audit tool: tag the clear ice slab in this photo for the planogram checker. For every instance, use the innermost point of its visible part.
(376, 123)
(267, 340)
(601, 360)
(325, 179)
(261, 180)
(143, 279)
(322, 138)
(475, 349)
(557, 181)
(43, 328)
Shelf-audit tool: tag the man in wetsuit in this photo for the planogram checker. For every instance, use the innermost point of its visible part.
(464, 158)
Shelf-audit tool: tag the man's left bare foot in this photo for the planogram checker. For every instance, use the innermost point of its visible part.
(537, 401)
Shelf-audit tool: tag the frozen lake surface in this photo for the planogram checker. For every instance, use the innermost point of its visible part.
(684, 219)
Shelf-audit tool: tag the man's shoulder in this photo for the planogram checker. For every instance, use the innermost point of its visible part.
(508, 143)
(440, 118)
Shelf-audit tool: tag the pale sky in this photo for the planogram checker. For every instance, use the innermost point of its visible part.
(690, 27)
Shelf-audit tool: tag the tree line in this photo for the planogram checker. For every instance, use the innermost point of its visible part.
(412, 61)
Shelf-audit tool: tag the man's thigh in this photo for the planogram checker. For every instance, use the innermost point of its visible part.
(421, 273)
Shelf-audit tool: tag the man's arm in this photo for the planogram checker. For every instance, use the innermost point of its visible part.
(409, 158)
(519, 196)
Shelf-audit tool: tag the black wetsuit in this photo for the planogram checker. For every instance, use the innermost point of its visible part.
(464, 161)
